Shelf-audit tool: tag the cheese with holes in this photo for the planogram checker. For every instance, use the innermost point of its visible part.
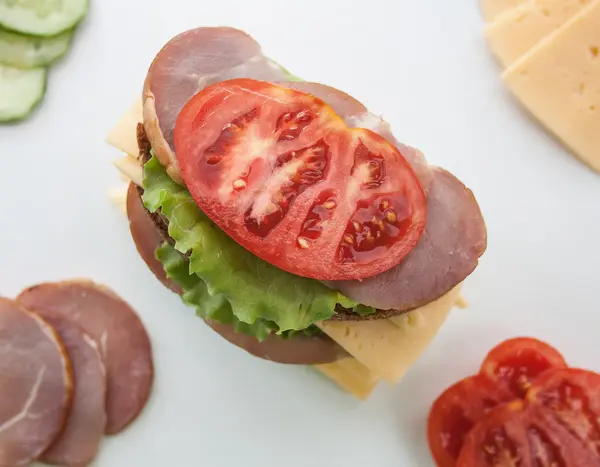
(389, 347)
(381, 348)
(516, 31)
(350, 375)
(492, 8)
(559, 82)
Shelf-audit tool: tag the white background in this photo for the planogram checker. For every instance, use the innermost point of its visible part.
(423, 65)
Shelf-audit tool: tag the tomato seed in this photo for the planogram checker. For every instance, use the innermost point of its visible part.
(303, 242)
(391, 216)
(329, 204)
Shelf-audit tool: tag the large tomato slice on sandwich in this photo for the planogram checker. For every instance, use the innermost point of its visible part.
(280, 172)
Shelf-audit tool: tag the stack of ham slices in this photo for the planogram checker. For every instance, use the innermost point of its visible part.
(75, 364)
(412, 299)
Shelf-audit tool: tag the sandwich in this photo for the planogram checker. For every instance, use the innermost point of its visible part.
(288, 215)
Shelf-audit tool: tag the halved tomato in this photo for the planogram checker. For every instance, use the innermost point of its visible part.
(455, 412)
(280, 172)
(519, 434)
(514, 363)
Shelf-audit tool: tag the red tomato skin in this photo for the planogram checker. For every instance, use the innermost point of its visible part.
(455, 412)
(516, 362)
(230, 201)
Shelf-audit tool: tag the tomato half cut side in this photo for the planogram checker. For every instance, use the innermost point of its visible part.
(572, 398)
(498, 440)
(516, 362)
(280, 172)
(455, 412)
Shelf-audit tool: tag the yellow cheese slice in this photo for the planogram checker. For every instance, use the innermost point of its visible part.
(492, 8)
(559, 82)
(516, 31)
(350, 375)
(130, 168)
(388, 347)
(123, 135)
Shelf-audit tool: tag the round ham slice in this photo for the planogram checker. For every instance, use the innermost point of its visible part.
(79, 441)
(188, 63)
(119, 334)
(356, 115)
(36, 385)
(455, 237)
(298, 350)
(147, 236)
(302, 350)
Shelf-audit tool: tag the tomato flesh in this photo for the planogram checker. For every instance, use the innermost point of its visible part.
(515, 363)
(455, 412)
(284, 176)
(572, 396)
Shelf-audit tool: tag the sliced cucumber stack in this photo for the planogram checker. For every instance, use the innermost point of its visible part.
(20, 92)
(41, 17)
(30, 51)
(33, 35)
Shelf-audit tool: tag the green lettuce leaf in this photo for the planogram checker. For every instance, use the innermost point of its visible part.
(254, 289)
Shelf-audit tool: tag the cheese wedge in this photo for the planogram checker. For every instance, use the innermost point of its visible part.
(350, 375)
(516, 31)
(558, 81)
(389, 347)
(381, 348)
(492, 8)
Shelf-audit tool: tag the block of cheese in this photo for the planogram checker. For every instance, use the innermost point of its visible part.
(123, 135)
(516, 31)
(558, 81)
(389, 347)
(350, 375)
(492, 8)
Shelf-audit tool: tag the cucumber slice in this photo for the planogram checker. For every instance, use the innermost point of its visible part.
(30, 51)
(41, 17)
(20, 92)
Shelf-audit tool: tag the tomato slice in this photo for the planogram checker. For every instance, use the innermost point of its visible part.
(280, 172)
(514, 363)
(572, 398)
(455, 412)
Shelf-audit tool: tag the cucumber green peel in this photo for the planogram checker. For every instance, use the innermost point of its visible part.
(22, 51)
(257, 292)
(42, 17)
(20, 92)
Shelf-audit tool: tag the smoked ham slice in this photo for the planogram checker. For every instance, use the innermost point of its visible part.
(188, 63)
(79, 441)
(300, 349)
(118, 333)
(36, 385)
(449, 250)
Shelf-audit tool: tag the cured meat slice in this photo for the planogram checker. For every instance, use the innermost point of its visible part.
(302, 350)
(147, 235)
(356, 115)
(79, 441)
(455, 237)
(201, 57)
(188, 63)
(119, 334)
(36, 385)
(299, 350)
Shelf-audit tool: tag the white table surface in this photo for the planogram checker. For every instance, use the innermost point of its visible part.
(423, 65)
